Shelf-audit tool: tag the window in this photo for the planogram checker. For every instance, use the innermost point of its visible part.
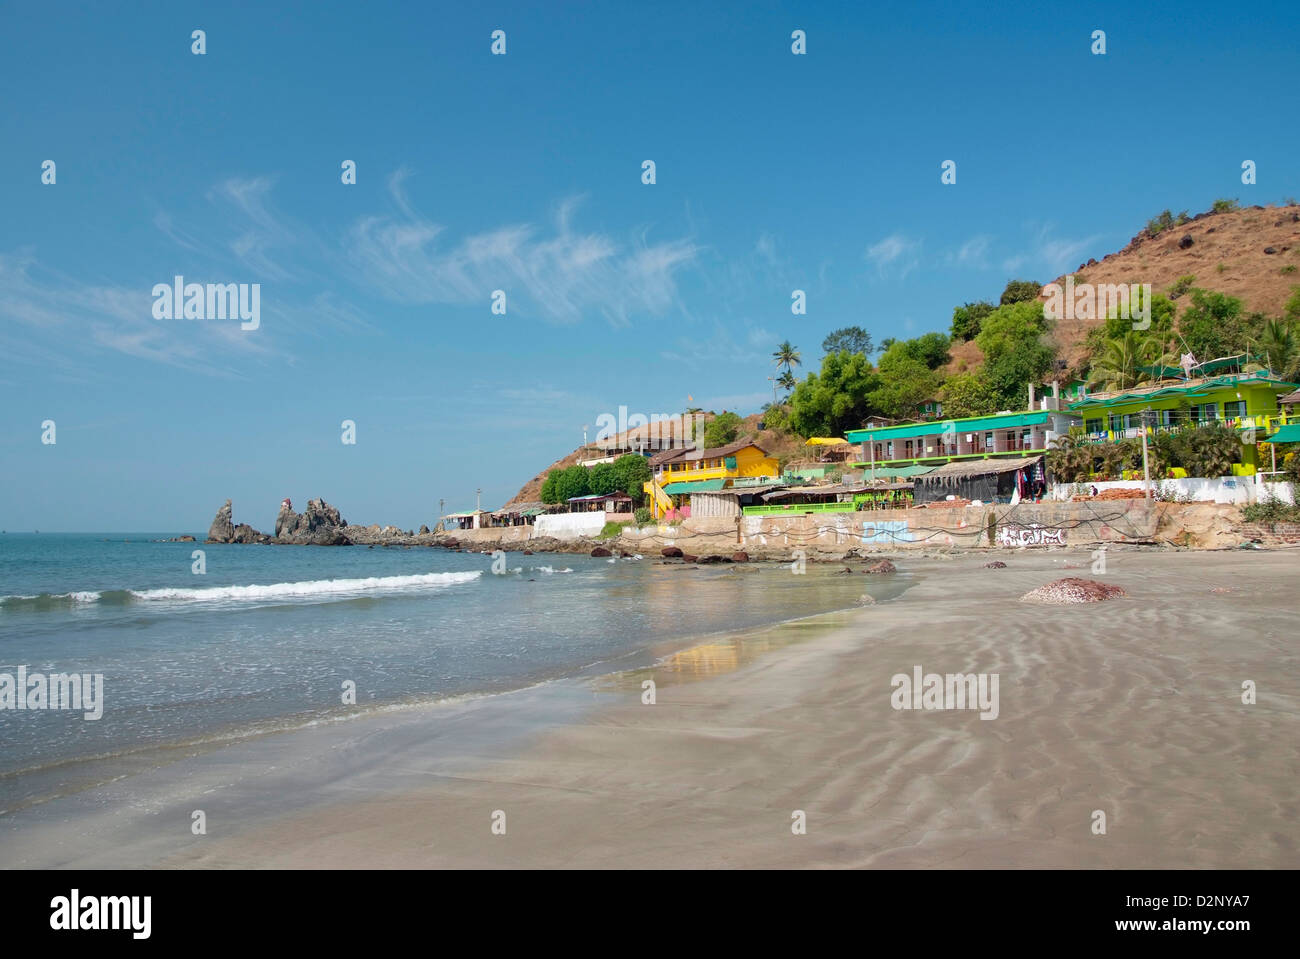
(988, 441)
(1116, 422)
(1234, 410)
(1011, 441)
(1094, 426)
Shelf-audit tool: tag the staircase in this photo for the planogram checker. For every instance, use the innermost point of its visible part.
(660, 502)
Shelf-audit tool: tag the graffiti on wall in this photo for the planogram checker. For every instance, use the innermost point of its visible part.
(893, 531)
(1031, 535)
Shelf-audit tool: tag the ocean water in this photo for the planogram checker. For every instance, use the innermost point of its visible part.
(267, 637)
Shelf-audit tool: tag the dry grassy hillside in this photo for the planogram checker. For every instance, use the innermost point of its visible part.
(1239, 252)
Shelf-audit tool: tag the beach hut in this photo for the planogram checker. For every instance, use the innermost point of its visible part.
(617, 503)
(989, 481)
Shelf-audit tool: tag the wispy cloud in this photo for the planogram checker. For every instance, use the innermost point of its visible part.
(720, 345)
(1050, 254)
(895, 256)
(68, 321)
(557, 272)
(972, 254)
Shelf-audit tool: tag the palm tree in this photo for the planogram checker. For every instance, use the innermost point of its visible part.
(786, 381)
(1069, 459)
(786, 355)
(1119, 365)
(1278, 344)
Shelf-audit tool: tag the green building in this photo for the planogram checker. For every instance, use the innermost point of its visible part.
(1241, 401)
(935, 442)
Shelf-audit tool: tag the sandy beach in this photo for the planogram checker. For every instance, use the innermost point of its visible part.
(1132, 707)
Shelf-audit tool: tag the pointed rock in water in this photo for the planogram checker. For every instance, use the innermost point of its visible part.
(670, 551)
(884, 566)
(600, 551)
(222, 529)
(996, 564)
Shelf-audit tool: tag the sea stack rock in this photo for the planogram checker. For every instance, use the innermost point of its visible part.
(222, 529)
(318, 525)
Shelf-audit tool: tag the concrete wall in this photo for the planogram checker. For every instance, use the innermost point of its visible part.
(1046, 524)
(1236, 490)
(571, 525)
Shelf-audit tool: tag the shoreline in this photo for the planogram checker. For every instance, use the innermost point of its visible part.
(1130, 706)
(73, 775)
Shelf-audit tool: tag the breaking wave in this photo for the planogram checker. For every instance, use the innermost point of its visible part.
(235, 594)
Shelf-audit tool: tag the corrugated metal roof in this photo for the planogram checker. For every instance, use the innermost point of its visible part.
(980, 467)
(899, 471)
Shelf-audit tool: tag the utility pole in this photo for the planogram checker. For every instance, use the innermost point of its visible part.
(772, 379)
(1146, 464)
(871, 441)
(478, 499)
(441, 509)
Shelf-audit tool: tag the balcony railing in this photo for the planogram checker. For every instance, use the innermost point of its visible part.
(1263, 425)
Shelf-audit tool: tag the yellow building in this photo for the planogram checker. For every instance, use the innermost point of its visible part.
(680, 472)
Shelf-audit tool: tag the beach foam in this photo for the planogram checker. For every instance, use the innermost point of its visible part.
(251, 593)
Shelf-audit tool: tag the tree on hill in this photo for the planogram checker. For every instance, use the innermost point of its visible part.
(1277, 343)
(1213, 326)
(969, 394)
(602, 479)
(1119, 365)
(966, 319)
(722, 429)
(834, 400)
(854, 339)
(930, 349)
(1020, 291)
(563, 484)
(631, 473)
(1014, 353)
(1292, 308)
(904, 384)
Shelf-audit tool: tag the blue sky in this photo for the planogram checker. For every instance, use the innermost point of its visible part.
(522, 172)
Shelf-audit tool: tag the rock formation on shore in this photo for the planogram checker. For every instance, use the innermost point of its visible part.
(222, 530)
(320, 524)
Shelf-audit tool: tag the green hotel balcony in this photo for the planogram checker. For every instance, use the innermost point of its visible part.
(952, 455)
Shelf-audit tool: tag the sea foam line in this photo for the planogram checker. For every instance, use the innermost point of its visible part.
(314, 587)
(251, 593)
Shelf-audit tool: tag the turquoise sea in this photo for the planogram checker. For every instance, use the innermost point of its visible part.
(267, 636)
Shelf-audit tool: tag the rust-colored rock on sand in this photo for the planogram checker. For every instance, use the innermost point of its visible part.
(1071, 590)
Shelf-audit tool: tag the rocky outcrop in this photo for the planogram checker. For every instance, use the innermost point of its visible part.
(243, 533)
(884, 566)
(222, 529)
(320, 524)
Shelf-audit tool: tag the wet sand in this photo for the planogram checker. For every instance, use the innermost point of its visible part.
(1132, 707)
